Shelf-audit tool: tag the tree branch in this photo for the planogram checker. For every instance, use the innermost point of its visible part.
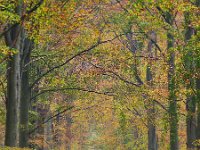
(68, 60)
(73, 88)
(115, 74)
(35, 7)
(22, 18)
(45, 121)
(62, 112)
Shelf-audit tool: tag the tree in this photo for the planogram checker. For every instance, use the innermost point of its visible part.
(152, 138)
(13, 40)
(18, 91)
(173, 116)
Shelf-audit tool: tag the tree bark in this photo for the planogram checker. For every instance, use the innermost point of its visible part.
(13, 40)
(13, 97)
(198, 110)
(198, 94)
(132, 45)
(48, 138)
(190, 100)
(173, 116)
(25, 93)
(152, 139)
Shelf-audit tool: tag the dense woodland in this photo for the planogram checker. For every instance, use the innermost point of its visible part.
(100, 74)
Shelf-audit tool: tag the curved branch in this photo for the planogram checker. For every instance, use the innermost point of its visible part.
(35, 7)
(70, 59)
(116, 75)
(73, 88)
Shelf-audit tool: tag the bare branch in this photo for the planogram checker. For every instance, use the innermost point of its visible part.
(35, 7)
(70, 59)
(115, 75)
(73, 88)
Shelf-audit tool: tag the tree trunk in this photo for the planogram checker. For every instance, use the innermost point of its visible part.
(25, 94)
(198, 110)
(133, 46)
(172, 101)
(13, 97)
(13, 40)
(152, 139)
(48, 138)
(190, 100)
(198, 94)
(68, 125)
(173, 116)
(190, 121)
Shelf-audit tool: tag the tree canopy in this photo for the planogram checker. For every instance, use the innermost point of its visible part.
(100, 74)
